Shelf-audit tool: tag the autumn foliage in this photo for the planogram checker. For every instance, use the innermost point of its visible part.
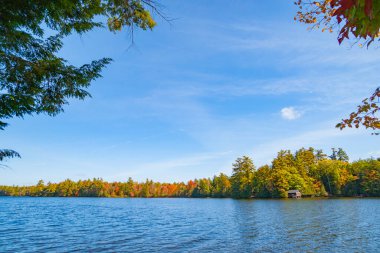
(366, 114)
(308, 170)
(357, 18)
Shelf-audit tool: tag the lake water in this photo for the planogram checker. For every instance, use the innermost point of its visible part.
(188, 225)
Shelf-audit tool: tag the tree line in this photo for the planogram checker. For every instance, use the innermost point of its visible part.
(310, 171)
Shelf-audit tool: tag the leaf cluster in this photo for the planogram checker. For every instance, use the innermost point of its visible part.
(33, 78)
(357, 18)
(366, 114)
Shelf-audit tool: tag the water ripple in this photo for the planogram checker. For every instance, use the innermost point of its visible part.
(188, 225)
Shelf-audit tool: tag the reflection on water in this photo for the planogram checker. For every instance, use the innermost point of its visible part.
(195, 225)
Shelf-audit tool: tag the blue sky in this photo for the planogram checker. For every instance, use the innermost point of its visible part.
(222, 80)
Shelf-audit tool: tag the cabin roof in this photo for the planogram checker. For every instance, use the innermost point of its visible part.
(293, 191)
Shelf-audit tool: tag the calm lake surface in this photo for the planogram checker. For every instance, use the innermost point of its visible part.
(188, 225)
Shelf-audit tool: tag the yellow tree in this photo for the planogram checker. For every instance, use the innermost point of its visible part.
(242, 178)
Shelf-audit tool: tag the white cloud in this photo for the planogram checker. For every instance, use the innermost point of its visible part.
(290, 113)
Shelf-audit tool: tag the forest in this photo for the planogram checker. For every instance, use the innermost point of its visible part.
(310, 171)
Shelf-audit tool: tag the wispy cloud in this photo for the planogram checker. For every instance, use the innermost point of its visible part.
(374, 154)
(173, 169)
(199, 94)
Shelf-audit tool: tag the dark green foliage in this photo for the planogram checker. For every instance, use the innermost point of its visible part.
(339, 154)
(7, 153)
(333, 156)
(33, 78)
(342, 155)
(319, 155)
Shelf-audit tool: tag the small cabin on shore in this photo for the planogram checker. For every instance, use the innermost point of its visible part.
(295, 194)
